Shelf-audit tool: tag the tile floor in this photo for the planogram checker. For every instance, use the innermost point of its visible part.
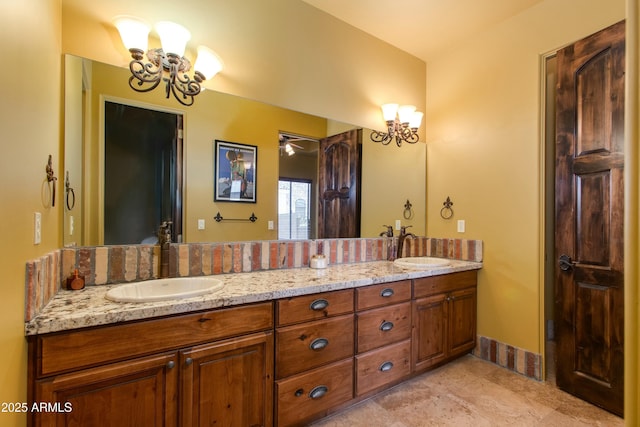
(472, 392)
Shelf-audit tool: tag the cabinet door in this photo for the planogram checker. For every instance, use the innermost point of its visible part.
(140, 392)
(430, 331)
(228, 383)
(462, 321)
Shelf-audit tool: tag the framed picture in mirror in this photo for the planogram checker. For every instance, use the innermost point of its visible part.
(234, 172)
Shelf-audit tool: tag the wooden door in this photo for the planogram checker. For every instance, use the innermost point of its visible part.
(228, 383)
(136, 393)
(339, 174)
(589, 219)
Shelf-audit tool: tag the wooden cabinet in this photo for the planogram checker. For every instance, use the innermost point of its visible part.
(314, 355)
(251, 365)
(444, 318)
(383, 335)
(228, 382)
(140, 392)
(181, 370)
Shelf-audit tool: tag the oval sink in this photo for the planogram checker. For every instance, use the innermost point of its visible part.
(422, 262)
(164, 289)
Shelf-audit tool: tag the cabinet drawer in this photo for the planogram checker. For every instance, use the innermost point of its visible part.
(426, 286)
(382, 326)
(382, 366)
(311, 344)
(313, 393)
(313, 307)
(73, 350)
(382, 294)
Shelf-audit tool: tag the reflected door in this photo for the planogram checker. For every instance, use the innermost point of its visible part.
(339, 173)
(143, 174)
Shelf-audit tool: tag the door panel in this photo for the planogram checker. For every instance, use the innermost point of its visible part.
(589, 218)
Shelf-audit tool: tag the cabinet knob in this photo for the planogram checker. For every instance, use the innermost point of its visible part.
(386, 366)
(319, 304)
(318, 344)
(386, 293)
(318, 392)
(386, 326)
(171, 364)
(188, 361)
(299, 392)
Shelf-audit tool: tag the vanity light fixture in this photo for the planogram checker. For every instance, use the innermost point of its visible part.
(403, 122)
(166, 64)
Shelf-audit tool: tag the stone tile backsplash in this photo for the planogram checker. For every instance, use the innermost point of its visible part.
(102, 265)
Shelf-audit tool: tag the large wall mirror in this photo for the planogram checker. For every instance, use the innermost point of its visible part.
(389, 176)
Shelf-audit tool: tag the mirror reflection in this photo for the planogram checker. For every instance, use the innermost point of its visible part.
(181, 182)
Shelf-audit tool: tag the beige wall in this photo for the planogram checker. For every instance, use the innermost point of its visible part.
(31, 130)
(484, 150)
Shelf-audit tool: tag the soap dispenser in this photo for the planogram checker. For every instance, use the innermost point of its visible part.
(75, 282)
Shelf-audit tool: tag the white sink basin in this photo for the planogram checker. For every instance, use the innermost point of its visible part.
(422, 262)
(164, 289)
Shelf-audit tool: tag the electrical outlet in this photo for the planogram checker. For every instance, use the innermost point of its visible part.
(201, 224)
(461, 226)
(37, 228)
(70, 225)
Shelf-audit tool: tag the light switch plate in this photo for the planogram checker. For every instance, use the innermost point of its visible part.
(461, 226)
(201, 224)
(270, 225)
(398, 224)
(37, 228)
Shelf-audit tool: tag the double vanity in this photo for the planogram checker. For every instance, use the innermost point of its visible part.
(278, 347)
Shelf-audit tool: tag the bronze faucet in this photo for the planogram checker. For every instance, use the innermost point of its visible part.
(164, 240)
(401, 238)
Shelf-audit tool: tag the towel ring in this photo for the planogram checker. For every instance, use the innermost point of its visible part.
(446, 212)
(67, 184)
(408, 213)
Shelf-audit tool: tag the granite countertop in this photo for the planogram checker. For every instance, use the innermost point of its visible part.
(70, 310)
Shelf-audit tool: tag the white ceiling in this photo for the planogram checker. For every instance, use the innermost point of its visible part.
(422, 27)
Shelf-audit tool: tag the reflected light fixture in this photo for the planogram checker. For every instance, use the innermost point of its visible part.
(166, 64)
(403, 122)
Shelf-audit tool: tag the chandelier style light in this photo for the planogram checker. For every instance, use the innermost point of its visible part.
(403, 122)
(166, 64)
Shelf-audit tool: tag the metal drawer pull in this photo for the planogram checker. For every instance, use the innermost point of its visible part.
(319, 344)
(188, 361)
(386, 293)
(171, 364)
(318, 392)
(319, 304)
(386, 367)
(386, 326)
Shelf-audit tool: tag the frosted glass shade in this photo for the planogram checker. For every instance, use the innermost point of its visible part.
(389, 112)
(416, 119)
(207, 62)
(174, 37)
(405, 113)
(133, 32)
